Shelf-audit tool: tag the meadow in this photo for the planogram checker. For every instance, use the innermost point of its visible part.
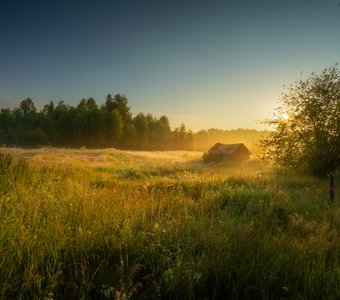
(110, 224)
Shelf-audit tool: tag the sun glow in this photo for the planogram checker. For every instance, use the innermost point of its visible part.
(285, 116)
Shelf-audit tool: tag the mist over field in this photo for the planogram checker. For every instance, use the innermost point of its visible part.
(169, 150)
(112, 224)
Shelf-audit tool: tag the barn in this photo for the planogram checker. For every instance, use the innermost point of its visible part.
(229, 152)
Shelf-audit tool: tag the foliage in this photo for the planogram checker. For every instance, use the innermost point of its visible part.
(110, 125)
(27, 107)
(150, 228)
(307, 128)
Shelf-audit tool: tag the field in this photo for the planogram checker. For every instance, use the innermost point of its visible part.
(109, 224)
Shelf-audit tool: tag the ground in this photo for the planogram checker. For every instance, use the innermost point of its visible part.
(110, 224)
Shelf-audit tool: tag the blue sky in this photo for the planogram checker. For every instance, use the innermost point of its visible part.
(208, 64)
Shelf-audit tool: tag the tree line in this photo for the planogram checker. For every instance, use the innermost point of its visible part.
(91, 125)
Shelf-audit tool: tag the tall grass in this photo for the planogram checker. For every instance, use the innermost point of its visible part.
(151, 229)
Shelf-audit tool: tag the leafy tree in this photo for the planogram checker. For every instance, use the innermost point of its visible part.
(159, 132)
(120, 103)
(142, 129)
(35, 137)
(91, 129)
(48, 108)
(6, 118)
(129, 138)
(307, 125)
(164, 121)
(91, 104)
(82, 105)
(183, 139)
(60, 108)
(109, 106)
(87, 105)
(113, 128)
(27, 107)
(7, 126)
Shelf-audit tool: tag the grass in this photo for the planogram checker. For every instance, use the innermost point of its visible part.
(106, 224)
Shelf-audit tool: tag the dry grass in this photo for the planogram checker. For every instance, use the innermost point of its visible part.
(96, 157)
(109, 224)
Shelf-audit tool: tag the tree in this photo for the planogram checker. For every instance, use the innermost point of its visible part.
(142, 129)
(129, 138)
(35, 137)
(113, 127)
(307, 125)
(161, 133)
(82, 106)
(61, 108)
(87, 105)
(109, 106)
(27, 107)
(120, 103)
(48, 109)
(183, 139)
(91, 104)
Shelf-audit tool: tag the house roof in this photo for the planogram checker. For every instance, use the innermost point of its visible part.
(227, 149)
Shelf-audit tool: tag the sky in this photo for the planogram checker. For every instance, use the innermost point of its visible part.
(208, 64)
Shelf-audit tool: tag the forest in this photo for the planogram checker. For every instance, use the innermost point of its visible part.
(90, 125)
(108, 125)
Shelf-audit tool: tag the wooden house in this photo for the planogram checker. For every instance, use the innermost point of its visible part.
(230, 152)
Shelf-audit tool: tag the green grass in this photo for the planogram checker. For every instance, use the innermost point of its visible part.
(143, 227)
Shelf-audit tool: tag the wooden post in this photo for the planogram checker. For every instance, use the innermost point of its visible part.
(331, 188)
